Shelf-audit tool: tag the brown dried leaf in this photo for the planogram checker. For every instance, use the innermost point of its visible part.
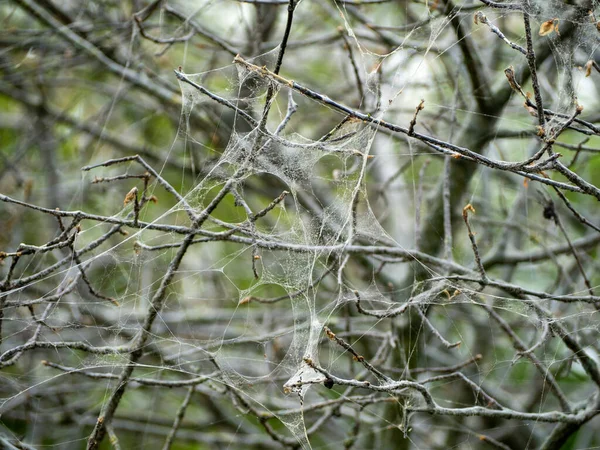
(131, 196)
(245, 300)
(531, 110)
(467, 209)
(588, 68)
(510, 76)
(548, 27)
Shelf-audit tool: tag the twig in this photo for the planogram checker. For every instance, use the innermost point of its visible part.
(465, 214)
(435, 331)
(418, 202)
(533, 70)
(348, 48)
(178, 418)
(481, 17)
(380, 376)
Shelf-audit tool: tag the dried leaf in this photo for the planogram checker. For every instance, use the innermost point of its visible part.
(531, 110)
(131, 196)
(245, 300)
(468, 208)
(588, 68)
(510, 76)
(548, 27)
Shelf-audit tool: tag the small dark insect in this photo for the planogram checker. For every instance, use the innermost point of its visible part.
(549, 212)
(328, 383)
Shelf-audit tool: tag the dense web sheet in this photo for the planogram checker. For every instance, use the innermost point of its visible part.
(329, 264)
(306, 246)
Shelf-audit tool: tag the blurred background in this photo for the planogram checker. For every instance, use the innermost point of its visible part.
(325, 220)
